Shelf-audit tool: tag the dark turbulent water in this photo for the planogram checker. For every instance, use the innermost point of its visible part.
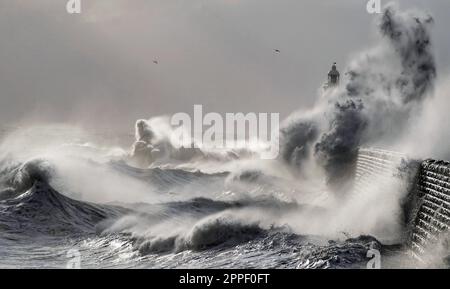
(43, 228)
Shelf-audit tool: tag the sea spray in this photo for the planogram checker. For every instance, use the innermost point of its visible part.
(384, 87)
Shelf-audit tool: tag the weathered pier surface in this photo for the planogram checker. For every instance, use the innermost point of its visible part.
(427, 209)
(433, 217)
(375, 167)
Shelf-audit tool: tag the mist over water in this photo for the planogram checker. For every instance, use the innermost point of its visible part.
(153, 204)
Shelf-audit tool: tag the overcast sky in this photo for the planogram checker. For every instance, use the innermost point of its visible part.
(99, 65)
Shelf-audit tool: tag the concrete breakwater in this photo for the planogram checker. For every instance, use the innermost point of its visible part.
(427, 209)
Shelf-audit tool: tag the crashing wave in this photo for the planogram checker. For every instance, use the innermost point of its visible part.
(385, 86)
(43, 210)
(153, 145)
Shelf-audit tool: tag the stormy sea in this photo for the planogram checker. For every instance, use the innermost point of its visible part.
(74, 197)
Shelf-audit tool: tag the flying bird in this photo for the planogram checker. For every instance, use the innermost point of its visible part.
(155, 61)
(277, 50)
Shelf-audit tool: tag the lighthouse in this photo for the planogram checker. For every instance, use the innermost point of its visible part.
(333, 76)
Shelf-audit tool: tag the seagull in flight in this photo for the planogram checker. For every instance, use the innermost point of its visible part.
(277, 50)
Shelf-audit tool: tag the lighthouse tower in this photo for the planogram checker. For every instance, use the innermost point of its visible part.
(333, 76)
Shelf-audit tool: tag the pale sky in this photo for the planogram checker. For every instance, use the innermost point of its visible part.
(99, 66)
